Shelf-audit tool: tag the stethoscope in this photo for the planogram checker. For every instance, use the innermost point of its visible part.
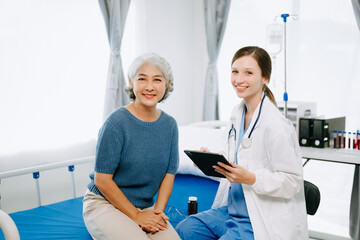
(246, 142)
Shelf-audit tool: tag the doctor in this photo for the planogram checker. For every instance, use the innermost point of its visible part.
(262, 196)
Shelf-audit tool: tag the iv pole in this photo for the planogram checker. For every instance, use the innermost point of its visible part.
(285, 96)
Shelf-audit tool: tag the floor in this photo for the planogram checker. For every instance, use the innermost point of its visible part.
(329, 237)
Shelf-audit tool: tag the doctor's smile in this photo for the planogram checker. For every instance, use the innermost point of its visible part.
(240, 88)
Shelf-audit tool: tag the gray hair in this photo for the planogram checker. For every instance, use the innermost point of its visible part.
(157, 61)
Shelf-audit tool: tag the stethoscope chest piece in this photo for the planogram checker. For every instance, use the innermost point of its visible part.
(246, 143)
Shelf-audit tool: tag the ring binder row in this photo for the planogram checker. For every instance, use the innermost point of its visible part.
(314, 131)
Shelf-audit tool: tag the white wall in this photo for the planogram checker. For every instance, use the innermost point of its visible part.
(323, 53)
(175, 30)
(326, 59)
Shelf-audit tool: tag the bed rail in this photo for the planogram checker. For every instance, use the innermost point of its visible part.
(35, 170)
(43, 167)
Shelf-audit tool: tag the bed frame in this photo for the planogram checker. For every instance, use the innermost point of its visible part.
(63, 220)
(14, 225)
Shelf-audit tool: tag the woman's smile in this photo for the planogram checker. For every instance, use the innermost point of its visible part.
(149, 96)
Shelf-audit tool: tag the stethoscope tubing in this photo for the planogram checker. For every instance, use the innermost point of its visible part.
(247, 142)
(258, 116)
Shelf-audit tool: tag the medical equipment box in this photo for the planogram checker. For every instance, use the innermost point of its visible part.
(296, 110)
(315, 131)
(306, 125)
(323, 126)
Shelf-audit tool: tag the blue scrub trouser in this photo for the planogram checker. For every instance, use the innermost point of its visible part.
(215, 224)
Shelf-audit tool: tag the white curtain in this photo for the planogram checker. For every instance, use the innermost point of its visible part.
(216, 13)
(114, 13)
(356, 6)
(354, 206)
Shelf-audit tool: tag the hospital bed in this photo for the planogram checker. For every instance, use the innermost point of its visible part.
(60, 217)
(63, 220)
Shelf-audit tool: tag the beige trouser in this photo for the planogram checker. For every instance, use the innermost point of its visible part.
(104, 221)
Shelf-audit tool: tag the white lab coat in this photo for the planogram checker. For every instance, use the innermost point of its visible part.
(275, 202)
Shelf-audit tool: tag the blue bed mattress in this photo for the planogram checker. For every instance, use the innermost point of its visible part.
(63, 220)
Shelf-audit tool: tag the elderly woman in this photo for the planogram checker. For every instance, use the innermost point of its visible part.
(136, 158)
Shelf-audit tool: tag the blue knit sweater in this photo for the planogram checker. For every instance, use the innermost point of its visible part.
(137, 153)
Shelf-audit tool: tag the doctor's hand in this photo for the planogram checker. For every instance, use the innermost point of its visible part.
(204, 149)
(151, 221)
(235, 173)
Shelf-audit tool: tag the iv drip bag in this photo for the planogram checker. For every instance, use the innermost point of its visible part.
(275, 35)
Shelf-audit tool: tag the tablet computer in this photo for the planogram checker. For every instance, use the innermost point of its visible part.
(206, 160)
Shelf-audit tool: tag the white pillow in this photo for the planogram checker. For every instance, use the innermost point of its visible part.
(192, 138)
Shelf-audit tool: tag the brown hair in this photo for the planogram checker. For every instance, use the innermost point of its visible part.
(264, 61)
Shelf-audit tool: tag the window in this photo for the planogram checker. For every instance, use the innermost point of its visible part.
(53, 66)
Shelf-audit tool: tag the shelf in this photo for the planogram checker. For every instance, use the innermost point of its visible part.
(332, 155)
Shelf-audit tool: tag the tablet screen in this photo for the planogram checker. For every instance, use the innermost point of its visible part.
(206, 160)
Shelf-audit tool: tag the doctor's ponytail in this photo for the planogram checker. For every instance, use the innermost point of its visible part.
(264, 61)
(269, 94)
